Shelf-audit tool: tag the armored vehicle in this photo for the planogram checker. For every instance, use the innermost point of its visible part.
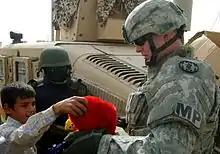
(91, 32)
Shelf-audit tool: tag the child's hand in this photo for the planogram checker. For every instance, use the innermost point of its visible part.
(75, 106)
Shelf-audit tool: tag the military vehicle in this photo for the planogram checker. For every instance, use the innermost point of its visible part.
(91, 32)
(207, 47)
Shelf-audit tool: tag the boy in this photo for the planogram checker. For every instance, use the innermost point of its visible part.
(23, 128)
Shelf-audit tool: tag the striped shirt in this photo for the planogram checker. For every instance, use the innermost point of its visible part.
(22, 138)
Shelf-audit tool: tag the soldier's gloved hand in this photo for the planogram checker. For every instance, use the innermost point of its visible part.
(73, 105)
(122, 122)
(84, 142)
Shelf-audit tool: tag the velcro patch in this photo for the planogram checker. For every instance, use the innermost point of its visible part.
(188, 66)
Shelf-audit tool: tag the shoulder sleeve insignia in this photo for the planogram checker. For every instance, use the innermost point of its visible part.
(188, 66)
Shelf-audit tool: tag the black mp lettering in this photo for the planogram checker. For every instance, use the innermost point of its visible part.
(183, 111)
(196, 117)
(189, 113)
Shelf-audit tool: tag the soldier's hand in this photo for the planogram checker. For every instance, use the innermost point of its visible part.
(73, 105)
(121, 122)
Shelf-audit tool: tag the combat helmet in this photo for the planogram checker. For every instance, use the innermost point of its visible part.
(56, 65)
(54, 57)
(154, 17)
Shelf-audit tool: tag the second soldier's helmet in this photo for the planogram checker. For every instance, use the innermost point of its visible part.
(56, 65)
(54, 57)
(153, 17)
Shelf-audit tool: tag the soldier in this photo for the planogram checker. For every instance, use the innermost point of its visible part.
(55, 86)
(176, 109)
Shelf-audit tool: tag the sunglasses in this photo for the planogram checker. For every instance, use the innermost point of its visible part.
(141, 40)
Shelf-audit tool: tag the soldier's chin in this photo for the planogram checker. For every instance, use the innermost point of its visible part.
(147, 62)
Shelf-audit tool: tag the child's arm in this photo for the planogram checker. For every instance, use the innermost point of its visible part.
(28, 134)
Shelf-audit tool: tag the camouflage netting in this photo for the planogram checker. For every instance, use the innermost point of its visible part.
(64, 11)
(106, 8)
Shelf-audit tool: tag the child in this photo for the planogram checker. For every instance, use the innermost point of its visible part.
(23, 128)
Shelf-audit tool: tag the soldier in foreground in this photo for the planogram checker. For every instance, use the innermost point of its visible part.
(176, 109)
(55, 86)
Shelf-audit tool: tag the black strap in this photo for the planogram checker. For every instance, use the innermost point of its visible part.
(156, 51)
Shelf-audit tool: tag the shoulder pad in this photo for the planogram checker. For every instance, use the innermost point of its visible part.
(194, 67)
(35, 82)
(78, 86)
(74, 84)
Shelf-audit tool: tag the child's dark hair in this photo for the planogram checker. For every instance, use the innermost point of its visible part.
(12, 91)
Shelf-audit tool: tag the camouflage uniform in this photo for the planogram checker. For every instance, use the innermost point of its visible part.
(176, 109)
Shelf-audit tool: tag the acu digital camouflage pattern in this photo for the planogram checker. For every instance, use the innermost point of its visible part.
(174, 112)
(153, 16)
(65, 11)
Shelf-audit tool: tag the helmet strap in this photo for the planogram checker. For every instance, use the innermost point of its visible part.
(154, 55)
(155, 51)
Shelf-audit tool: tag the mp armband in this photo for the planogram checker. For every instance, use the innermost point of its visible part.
(178, 112)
